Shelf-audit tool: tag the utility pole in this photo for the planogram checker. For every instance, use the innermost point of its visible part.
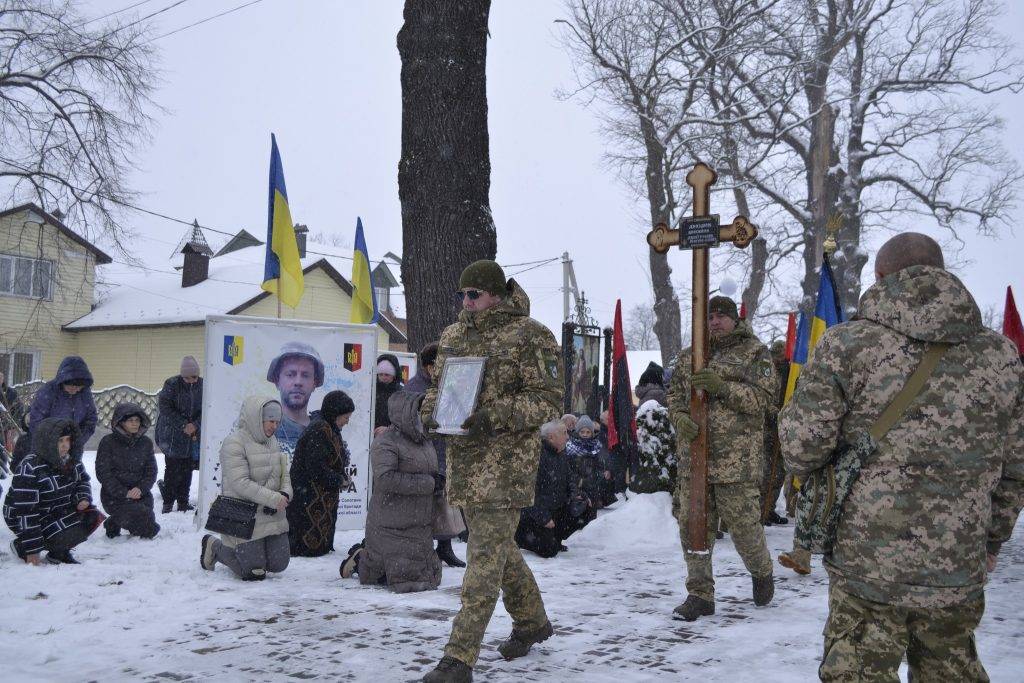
(568, 287)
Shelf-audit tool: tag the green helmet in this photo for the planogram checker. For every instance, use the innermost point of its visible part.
(484, 275)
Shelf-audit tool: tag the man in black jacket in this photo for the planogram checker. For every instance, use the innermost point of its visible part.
(177, 433)
(559, 508)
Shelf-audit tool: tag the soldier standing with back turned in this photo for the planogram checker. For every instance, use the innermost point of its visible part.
(740, 379)
(492, 470)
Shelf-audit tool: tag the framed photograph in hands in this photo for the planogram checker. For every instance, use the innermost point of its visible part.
(457, 393)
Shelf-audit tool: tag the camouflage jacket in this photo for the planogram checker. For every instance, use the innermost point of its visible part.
(522, 390)
(949, 477)
(735, 419)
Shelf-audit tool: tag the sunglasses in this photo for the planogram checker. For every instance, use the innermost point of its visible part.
(472, 295)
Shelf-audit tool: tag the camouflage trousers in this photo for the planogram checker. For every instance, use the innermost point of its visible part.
(865, 641)
(738, 505)
(493, 563)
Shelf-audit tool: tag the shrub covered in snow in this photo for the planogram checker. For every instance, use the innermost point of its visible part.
(657, 445)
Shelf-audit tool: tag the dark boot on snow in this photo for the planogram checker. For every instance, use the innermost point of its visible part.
(694, 608)
(520, 641)
(450, 670)
(764, 589)
(447, 555)
(61, 557)
(351, 564)
(207, 553)
(112, 529)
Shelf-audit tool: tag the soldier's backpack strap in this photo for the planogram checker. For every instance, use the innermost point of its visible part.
(915, 384)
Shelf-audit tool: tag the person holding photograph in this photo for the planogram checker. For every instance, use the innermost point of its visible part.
(297, 372)
(492, 469)
(254, 469)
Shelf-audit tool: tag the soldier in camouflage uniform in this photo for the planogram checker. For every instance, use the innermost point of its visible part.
(492, 470)
(740, 380)
(945, 485)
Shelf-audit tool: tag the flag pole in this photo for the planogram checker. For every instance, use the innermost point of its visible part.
(279, 302)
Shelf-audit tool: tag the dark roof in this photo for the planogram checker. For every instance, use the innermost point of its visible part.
(242, 240)
(101, 256)
(383, 277)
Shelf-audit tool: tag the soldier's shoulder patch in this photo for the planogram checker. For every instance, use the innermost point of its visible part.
(551, 366)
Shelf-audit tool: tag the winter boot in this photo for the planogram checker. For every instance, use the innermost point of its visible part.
(257, 574)
(776, 518)
(694, 608)
(351, 564)
(207, 553)
(464, 536)
(447, 555)
(61, 557)
(17, 550)
(797, 560)
(764, 589)
(167, 507)
(112, 529)
(519, 642)
(185, 507)
(450, 670)
(163, 489)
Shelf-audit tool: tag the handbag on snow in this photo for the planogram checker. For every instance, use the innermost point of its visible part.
(232, 517)
(819, 503)
(448, 522)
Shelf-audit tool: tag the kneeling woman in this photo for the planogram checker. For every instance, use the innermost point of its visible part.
(126, 468)
(253, 468)
(399, 546)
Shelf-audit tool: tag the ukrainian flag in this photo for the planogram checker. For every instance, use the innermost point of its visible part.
(282, 273)
(827, 312)
(364, 298)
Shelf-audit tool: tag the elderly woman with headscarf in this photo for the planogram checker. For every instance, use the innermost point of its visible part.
(389, 380)
(592, 462)
(318, 475)
(254, 469)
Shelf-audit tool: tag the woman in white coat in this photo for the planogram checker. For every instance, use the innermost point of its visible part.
(254, 468)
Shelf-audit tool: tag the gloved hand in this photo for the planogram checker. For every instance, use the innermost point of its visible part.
(479, 424)
(439, 480)
(686, 429)
(708, 380)
(429, 423)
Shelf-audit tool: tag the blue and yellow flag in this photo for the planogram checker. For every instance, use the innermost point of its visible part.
(282, 273)
(827, 312)
(364, 298)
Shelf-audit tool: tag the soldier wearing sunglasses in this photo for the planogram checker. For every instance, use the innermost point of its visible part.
(492, 469)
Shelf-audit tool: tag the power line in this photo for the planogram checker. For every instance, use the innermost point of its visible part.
(110, 14)
(210, 18)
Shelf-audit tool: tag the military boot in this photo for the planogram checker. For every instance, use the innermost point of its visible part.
(519, 642)
(764, 589)
(450, 670)
(797, 560)
(694, 608)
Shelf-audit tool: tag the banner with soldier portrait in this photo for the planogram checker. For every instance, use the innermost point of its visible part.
(581, 348)
(296, 362)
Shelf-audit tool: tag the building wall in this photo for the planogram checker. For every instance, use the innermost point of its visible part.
(33, 324)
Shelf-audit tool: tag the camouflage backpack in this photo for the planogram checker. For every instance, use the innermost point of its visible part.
(819, 504)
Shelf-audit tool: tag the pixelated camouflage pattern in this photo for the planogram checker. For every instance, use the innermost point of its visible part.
(522, 390)
(949, 477)
(493, 563)
(735, 420)
(865, 641)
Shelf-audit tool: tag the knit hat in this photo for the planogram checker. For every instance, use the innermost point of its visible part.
(652, 375)
(385, 367)
(585, 423)
(296, 349)
(484, 275)
(336, 403)
(189, 367)
(725, 306)
(271, 412)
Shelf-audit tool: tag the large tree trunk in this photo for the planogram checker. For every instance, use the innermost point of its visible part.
(444, 175)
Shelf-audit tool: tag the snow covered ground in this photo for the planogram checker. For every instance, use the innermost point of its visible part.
(144, 610)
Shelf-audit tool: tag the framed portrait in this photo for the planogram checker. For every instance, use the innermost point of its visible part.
(457, 393)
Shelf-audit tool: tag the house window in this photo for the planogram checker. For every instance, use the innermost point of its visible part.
(383, 298)
(27, 277)
(19, 366)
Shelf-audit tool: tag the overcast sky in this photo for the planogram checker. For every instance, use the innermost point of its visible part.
(324, 76)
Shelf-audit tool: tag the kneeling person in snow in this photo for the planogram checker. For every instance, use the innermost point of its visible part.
(126, 468)
(592, 463)
(49, 506)
(559, 508)
(254, 469)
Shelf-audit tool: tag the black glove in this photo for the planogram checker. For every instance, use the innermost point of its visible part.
(439, 480)
(429, 423)
(479, 424)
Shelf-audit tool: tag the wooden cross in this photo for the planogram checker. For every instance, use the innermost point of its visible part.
(700, 233)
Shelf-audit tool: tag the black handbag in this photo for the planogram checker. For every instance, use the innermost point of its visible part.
(232, 517)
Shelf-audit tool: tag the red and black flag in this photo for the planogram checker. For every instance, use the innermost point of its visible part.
(1012, 326)
(621, 415)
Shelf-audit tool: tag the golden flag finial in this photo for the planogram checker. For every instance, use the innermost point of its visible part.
(835, 223)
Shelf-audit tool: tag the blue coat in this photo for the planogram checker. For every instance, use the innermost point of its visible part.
(52, 401)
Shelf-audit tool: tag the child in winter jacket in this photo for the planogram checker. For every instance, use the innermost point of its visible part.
(126, 468)
(49, 506)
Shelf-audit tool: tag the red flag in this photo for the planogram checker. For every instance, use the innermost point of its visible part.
(791, 337)
(621, 416)
(1012, 326)
(743, 311)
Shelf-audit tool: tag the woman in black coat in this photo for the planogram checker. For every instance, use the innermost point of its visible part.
(389, 380)
(126, 468)
(318, 474)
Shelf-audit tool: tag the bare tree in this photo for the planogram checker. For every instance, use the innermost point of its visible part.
(74, 96)
(640, 323)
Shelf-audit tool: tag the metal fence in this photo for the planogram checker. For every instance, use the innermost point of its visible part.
(106, 400)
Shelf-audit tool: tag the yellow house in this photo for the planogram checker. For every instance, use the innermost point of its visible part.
(47, 279)
(140, 330)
